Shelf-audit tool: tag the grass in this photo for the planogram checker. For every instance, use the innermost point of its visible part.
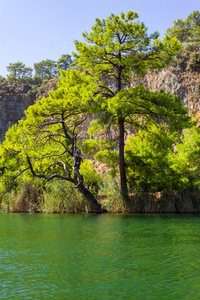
(61, 197)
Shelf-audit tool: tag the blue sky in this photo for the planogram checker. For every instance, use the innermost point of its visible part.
(33, 30)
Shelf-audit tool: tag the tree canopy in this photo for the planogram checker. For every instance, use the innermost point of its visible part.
(19, 70)
(64, 62)
(45, 143)
(45, 68)
(163, 160)
(117, 48)
(187, 30)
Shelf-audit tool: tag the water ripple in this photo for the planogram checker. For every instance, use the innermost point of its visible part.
(99, 256)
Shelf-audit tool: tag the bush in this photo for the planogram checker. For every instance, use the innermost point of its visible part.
(194, 62)
(190, 47)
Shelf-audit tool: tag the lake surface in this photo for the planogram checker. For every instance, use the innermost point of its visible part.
(105, 256)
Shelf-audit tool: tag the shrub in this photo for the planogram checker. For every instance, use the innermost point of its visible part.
(194, 63)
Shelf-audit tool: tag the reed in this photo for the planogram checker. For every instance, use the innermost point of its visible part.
(185, 201)
(27, 198)
(61, 197)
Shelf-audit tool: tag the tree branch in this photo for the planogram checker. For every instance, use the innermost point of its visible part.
(22, 172)
(52, 155)
(48, 178)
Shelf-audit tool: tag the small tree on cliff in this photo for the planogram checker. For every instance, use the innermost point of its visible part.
(45, 143)
(19, 70)
(187, 30)
(64, 62)
(115, 50)
(45, 69)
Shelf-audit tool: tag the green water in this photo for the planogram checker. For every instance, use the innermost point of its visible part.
(106, 256)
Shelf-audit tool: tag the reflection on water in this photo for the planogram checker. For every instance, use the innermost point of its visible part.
(105, 256)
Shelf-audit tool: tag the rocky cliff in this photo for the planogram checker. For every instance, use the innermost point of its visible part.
(14, 100)
(178, 79)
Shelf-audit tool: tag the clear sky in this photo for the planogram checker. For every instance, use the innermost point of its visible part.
(34, 30)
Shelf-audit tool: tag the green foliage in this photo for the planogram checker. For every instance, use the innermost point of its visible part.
(186, 159)
(179, 30)
(61, 197)
(89, 146)
(46, 68)
(2, 79)
(115, 49)
(142, 109)
(42, 135)
(24, 196)
(120, 43)
(11, 79)
(190, 47)
(187, 30)
(64, 62)
(113, 202)
(101, 149)
(194, 63)
(148, 160)
(19, 70)
(48, 197)
(182, 62)
(110, 158)
(37, 85)
(92, 178)
(160, 160)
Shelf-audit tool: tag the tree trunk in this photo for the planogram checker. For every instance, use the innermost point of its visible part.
(122, 165)
(96, 207)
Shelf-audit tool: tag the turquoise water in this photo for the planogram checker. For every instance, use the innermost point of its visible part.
(106, 256)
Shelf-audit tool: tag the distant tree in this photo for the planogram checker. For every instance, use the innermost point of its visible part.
(194, 20)
(187, 30)
(64, 62)
(27, 72)
(2, 79)
(11, 79)
(19, 70)
(194, 63)
(45, 68)
(179, 30)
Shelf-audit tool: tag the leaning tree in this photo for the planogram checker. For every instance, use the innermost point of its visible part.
(45, 143)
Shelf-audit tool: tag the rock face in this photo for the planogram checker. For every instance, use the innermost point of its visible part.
(44, 90)
(177, 79)
(14, 100)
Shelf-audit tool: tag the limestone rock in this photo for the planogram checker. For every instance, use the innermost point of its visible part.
(14, 100)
